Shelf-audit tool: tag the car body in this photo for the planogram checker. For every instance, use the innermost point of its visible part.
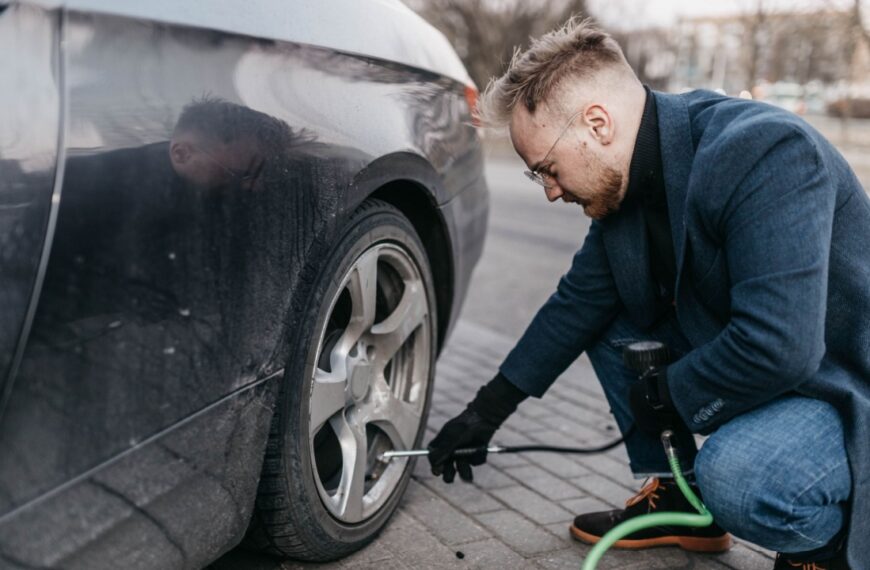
(150, 290)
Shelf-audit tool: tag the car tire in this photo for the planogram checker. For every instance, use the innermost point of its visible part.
(359, 376)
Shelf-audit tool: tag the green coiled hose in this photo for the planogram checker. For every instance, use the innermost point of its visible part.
(703, 518)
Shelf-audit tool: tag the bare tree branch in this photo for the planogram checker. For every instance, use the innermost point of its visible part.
(485, 32)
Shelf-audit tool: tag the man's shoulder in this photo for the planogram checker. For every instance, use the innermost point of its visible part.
(734, 136)
(719, 121)
(730, 128)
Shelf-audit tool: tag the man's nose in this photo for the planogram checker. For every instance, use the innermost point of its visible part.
(553, 192)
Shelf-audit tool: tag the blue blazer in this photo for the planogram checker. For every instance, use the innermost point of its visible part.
(771, 230)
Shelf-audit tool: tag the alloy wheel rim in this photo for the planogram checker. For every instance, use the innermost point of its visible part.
(369, 381)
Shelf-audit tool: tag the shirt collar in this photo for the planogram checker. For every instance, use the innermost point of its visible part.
(645, 180)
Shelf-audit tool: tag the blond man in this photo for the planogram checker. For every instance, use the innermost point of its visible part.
(736, 234)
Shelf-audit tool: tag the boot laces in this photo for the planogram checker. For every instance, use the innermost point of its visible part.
(648, 492)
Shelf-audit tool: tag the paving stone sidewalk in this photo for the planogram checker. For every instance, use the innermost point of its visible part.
(516, 512)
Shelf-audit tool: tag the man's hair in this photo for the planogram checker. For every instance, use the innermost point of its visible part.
(218, 120)
(577, 50)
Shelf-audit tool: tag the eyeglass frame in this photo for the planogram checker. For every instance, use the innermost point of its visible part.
(246, 177)
(538, 177)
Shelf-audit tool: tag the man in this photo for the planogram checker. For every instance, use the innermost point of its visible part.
(732, 232)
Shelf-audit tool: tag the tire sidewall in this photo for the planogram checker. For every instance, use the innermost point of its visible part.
(374, 223)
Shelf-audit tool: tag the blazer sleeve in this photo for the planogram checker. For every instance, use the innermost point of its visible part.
(585, 301)
(776, 221)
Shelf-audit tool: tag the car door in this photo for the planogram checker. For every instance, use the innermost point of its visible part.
(163, 292)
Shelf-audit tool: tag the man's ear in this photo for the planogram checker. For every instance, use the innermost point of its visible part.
(180, 152)
(599, 122)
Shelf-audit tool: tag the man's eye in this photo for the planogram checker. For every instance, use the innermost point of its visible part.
(548, 175)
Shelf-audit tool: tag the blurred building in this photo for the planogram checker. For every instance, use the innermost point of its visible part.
(740, 52)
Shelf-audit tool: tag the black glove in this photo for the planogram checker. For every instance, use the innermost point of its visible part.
(651, 404)
(474, 427)
(467, 429)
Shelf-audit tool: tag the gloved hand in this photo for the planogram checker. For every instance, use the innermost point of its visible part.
(474, 427)
(467, 429)
(651, 405)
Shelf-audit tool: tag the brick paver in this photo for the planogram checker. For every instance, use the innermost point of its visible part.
(532, 505)
(520, 533)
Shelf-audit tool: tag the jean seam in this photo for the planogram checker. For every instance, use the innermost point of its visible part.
(803, 492)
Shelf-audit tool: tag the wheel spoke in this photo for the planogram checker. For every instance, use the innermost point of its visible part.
(389, 335)
(351, 489)
(363, 290)
(327, 398)
(362, 285)
(400, 420)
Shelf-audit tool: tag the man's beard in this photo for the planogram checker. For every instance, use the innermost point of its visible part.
(606, 200)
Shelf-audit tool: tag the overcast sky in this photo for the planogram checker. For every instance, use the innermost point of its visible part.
(614, 13)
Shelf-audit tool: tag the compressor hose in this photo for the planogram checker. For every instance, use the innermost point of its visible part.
(702, 519)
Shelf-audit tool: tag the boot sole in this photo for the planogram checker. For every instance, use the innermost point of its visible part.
(690, 543)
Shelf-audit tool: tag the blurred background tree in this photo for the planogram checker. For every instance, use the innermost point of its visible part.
(484, 32)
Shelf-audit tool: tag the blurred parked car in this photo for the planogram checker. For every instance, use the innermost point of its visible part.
(850, 107)
(233, 238)
(788, 96)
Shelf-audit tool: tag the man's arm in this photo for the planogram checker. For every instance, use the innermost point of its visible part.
(777, 225)
(585, 301)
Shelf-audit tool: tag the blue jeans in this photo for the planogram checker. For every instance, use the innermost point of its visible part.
(777, 476)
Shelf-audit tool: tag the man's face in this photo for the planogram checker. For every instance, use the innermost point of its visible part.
(574, 155)
(211, 164)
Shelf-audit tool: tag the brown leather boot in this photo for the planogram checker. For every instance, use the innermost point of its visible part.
(656, 496)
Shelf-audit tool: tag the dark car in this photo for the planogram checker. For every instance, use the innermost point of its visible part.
(233, 238)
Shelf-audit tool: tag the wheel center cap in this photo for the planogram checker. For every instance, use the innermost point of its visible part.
(361, 372)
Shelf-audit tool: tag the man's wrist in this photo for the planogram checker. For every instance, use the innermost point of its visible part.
(497, 400)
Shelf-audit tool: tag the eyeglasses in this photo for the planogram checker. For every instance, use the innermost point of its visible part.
(543, 178)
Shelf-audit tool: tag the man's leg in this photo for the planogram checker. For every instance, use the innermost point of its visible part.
(778, 476)
(645, 452)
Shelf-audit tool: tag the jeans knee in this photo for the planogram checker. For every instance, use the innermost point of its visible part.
(752, 503)
(735, 495)
(718, 490)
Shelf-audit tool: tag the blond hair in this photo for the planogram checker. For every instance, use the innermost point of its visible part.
(579, 50)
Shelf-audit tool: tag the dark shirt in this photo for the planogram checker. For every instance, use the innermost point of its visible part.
(646, 186)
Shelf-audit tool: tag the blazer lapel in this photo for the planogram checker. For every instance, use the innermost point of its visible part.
(678, 153)
(675, 135)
